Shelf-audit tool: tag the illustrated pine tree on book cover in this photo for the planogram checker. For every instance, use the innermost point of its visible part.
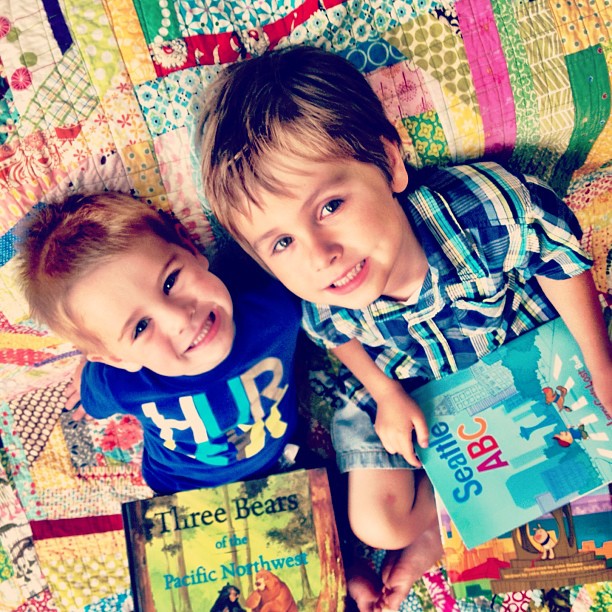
(571, 545)
(518, 434)
(263, 544)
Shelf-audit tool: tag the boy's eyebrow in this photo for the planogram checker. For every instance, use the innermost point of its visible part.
(160, 278)
(257, 244)
(331, 182)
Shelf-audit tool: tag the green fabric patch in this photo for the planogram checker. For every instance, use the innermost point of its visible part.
(588, 74)
(428, 137)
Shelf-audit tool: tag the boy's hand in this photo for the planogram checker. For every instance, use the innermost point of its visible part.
(396, 417)
(72, 392)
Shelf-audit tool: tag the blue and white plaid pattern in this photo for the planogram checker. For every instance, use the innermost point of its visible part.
(486, 234)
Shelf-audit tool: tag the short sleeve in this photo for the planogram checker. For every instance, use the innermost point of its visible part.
(550, 237)
(318, 323)
(96, 395)
(517, 221)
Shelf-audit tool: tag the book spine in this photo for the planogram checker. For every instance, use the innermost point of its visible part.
(129, 530)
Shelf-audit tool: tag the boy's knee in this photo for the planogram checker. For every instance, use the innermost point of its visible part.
(383, 526)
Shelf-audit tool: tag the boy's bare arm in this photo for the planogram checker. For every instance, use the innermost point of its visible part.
(576, 302)
(397, 413)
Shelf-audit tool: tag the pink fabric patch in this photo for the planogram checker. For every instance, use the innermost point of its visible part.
(440, 592)
(402, 89)
(43, 602)
(490, 74)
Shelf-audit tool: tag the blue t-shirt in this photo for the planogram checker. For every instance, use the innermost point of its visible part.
(224, 425)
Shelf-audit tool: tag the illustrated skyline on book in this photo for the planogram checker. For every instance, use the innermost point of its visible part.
(516, 435)
(270, 544)
(572, 545)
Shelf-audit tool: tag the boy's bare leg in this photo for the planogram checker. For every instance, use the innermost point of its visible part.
(387, 509)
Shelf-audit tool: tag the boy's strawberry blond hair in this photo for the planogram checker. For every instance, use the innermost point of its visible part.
(63, 242)
(299, 100)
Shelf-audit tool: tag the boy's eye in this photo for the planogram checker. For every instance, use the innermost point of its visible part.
(331, 207)
(169, 282)
(282, 244)
(140, 327)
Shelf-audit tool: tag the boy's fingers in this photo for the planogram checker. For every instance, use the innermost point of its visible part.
(71, 398)
(390, 448)
(413, 460)
(69, 390)
(422, 436)
(403, 447)
(78, 413)
(410, 456)
(422, 432)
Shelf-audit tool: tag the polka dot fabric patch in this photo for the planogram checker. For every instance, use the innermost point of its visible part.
(35, 415)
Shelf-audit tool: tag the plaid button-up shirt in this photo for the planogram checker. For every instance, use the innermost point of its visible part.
(485, 233)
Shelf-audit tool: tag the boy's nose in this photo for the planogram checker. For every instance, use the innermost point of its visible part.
(324, 253)
(177, 316)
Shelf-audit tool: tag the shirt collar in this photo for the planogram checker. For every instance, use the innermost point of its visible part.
(428, 304)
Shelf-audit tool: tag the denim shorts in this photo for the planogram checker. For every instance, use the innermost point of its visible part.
(356, 443)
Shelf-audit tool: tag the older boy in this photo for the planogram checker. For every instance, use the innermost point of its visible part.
(402, 284)
(204, 362)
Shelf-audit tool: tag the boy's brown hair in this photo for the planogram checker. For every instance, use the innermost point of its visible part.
(295, 97)
(63, 242)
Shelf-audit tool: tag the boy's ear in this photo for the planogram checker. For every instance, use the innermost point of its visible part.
(399, 174)
(129, 366)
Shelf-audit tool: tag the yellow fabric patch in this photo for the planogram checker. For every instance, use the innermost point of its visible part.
(53, 468)
(143, 170)
(581, 23)
(130, 40)
(84, 569)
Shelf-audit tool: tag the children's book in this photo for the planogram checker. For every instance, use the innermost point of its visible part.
(516, 435)
(572, 545)
(268, 544)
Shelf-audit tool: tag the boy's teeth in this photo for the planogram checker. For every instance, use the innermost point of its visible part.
(204, 331)
(350, 276)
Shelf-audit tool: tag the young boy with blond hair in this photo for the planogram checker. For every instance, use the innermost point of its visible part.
(203, 361)
(406, 276)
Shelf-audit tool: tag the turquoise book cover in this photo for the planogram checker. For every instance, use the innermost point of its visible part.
(516, 435)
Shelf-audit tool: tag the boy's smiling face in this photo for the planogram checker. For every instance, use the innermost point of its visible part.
(156, 306)
(336, 235)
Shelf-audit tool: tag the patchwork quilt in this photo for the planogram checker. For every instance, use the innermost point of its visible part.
(103, 94)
